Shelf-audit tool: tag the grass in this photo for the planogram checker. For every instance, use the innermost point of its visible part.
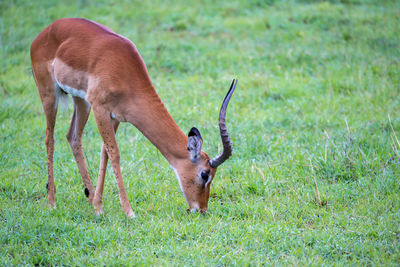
(317, 81)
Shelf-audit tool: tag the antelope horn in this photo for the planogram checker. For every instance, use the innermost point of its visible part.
(226, 141)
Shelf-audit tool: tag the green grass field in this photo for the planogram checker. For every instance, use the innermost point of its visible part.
(317, 84)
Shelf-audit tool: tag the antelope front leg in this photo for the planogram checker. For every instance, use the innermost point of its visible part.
(98, 196)
(106, 129)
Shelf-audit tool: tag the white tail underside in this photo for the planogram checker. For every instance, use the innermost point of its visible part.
(62, 91)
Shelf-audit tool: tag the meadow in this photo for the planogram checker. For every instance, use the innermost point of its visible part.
(315, 124)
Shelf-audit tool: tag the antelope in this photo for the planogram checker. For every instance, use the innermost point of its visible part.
(104, 71)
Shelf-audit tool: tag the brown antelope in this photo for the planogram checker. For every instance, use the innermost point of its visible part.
(104, 71)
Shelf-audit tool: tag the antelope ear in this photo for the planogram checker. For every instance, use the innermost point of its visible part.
(194, 144)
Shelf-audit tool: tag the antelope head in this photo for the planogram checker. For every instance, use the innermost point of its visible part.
(198, 174)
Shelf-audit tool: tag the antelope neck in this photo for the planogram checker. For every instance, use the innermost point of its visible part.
(150, 116)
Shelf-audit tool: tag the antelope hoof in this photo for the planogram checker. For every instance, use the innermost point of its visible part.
(98, 206)
(130, 214)
(52, 204)
(99, 212)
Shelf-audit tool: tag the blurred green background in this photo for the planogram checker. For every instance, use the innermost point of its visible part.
(318, 81)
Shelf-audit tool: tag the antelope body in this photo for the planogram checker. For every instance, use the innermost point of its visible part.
(104, 71)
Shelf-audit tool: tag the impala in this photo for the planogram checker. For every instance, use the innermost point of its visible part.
(104, 71)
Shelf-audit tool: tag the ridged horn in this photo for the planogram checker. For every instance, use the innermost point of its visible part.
(226, 141)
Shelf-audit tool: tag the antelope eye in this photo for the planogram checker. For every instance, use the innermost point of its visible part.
(204, 175)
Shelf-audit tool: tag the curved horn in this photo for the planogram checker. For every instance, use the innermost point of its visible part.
(226, 141)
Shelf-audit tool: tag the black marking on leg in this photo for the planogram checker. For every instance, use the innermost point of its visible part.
(86, 192)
